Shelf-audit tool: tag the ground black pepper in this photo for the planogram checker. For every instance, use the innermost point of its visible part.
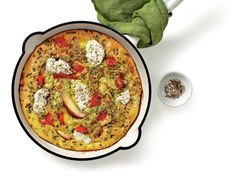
(174, 89)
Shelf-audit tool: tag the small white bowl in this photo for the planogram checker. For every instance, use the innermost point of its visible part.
(183, 98)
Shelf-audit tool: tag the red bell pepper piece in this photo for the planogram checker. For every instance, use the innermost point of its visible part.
(61, 118)
(77, 68)
(48, 120)
(96, 100)
(81, 129)
(101, 116)
(40, 80)
(111, 61)
(61, 42)
(64, 76)
(120, 81)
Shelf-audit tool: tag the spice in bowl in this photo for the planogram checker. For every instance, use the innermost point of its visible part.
(174, 89)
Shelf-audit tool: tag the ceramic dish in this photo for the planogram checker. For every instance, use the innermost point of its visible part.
(133, 134)
(183, 98)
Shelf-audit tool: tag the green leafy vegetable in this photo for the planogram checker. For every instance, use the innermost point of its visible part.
(145, 19)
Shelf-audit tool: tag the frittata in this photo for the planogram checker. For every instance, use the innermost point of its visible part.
(80, 90)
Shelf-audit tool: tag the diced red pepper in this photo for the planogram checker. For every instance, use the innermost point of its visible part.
(61, 118)
(101, 116)
(43, 121)
(61, 42)
(48, 120)
(120, 81)
(77, 68)
(64, 76)
(96, 100)
(40, 80)
(111, 61)
(131, 69)
(81, 129)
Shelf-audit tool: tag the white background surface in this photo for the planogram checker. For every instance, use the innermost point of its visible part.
(197, 139)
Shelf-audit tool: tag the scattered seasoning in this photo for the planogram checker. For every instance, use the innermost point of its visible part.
(174, 89)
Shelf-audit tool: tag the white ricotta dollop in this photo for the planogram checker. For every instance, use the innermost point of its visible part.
(40, 100)
(82, 137)
(57, 66)
(81, 96)
(124, 97)
(94, 52)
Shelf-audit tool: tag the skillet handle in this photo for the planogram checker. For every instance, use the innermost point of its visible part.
(170, 5)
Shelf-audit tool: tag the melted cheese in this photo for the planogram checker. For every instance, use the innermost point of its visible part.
(82, 137)
(94, 52)
(57, 66)
(124, 97)
(40, 100)
(81, 95)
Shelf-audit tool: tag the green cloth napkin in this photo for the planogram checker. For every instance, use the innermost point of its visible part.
(145, 19)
